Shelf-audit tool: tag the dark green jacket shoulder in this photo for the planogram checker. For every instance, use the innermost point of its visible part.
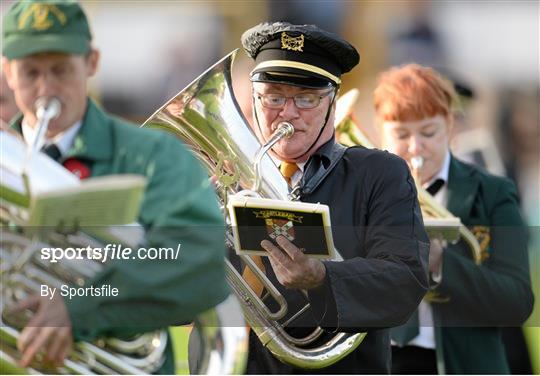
(475, 195)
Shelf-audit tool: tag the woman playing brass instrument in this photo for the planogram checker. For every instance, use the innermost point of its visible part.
(456, 332)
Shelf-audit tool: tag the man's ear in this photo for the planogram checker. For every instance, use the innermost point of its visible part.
(6, 71)
(92, 62)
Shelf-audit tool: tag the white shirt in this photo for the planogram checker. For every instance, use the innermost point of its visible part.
(440, 196)
(426, 336)
(295, 179)
(63, 140)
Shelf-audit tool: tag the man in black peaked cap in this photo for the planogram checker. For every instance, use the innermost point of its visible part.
(376, 221)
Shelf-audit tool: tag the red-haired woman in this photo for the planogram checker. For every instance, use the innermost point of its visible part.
(458, 331)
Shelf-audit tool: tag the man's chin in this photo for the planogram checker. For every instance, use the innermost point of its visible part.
(55, 128)
(288, 155)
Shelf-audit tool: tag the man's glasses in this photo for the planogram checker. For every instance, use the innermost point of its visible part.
(304, 101)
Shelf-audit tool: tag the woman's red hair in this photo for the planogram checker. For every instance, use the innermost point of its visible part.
(412, 92)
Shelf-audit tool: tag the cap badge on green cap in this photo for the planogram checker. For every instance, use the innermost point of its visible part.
(39, 13)
(292, 43)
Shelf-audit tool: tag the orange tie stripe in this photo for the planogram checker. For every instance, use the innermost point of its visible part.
(252, 280)
(288, 169)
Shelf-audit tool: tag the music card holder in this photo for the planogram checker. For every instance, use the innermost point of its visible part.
(304, 224)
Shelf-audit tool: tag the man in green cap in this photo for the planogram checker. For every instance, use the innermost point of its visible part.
(47, 52)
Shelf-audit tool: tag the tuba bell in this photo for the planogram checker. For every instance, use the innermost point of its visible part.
(348, 133)
(207, 118)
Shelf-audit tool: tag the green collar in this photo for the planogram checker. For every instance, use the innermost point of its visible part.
(462, 187)
(94, 140)
(16, 122)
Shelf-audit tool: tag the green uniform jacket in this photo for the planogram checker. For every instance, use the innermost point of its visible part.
(481, 298)
(179, 207)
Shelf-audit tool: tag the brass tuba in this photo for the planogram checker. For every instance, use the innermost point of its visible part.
(349, 133)
(206, 117)
(22, 271)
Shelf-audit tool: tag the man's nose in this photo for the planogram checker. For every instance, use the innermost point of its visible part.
(289, 110)
(46, 85)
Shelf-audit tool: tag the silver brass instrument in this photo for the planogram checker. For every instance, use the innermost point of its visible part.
(47, 109)
(22, 272)
(349, 133)
(206, 117)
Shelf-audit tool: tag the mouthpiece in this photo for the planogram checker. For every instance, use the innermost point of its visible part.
(285, 130)
(47, 108)
(417, 162)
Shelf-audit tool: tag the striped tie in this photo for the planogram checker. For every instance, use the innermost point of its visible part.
(288, 170)
(250, 277)
(253, 281)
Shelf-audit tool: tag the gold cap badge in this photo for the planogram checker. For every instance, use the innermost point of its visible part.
(292, 43)
(39, 13)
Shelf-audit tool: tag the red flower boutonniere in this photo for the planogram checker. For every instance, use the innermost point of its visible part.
(77, 168)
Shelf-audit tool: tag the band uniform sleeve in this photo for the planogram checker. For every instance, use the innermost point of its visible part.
(498, 291)
(179, 208)
(383, 285)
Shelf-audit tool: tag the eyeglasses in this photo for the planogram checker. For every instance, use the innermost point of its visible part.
(304, 101)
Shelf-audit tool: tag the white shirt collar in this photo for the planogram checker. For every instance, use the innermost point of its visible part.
(63, 140)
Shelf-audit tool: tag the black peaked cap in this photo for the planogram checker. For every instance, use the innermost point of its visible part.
(303, 55)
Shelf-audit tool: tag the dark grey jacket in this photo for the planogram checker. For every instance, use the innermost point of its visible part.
(377, 227)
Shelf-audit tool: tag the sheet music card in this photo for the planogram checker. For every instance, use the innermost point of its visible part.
(306, 225)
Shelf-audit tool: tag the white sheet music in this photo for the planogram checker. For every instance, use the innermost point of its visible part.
(44, 174)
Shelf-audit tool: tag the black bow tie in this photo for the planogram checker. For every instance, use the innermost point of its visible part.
(435, 187)
(52, 151)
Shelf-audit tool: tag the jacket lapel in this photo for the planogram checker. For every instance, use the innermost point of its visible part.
(94, 140)
(462, 188)
(15, 124)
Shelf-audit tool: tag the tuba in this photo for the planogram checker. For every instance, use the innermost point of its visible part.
(22, 272)
(207, 118)
(349, 133)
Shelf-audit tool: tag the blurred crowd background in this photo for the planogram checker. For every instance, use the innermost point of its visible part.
(153, 49)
